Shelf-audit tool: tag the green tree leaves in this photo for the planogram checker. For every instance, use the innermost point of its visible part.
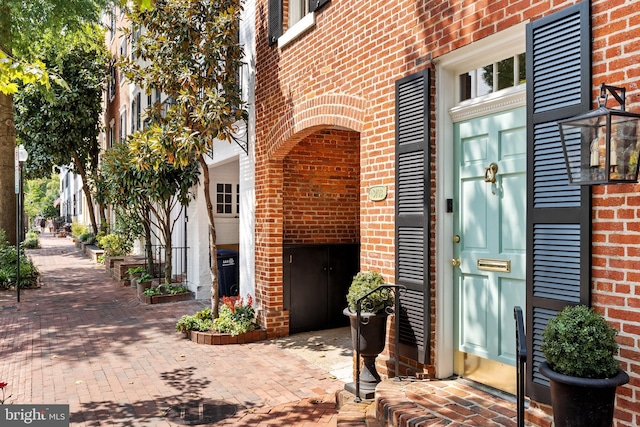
(62, 127)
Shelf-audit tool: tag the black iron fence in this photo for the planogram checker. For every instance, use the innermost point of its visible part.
(159, 261)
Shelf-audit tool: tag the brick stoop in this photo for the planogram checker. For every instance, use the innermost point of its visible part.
(421, 403)
(446, 402)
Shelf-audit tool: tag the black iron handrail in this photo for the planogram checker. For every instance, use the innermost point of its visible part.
(521, 354)
(389, 310)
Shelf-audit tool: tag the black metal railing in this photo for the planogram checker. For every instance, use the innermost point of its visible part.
(159, 257)
(360, 321)
(521, 355)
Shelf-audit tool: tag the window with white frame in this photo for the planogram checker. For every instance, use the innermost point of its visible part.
(136, 32)
(297, 10)
(136, 112)
(227, 199)
(123, 54)
(489, 78)
(112, 23)
(112, 81)
(289, 19)
(123, 125)
(145, 124)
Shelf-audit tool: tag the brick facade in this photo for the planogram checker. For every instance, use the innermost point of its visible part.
(341, 75)
(616, 208)
(321, 188)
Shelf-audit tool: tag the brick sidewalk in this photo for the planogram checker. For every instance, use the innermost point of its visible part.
(85, 340)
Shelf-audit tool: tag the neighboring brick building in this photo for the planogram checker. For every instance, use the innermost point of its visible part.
(418, 99)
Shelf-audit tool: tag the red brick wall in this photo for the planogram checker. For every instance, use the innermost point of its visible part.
(342, 72)
(616, 208)
(121, 98)
(321, 189)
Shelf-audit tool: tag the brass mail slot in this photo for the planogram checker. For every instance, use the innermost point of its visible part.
(494, 265)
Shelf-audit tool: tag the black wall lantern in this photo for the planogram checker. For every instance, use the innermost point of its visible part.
(601, 146)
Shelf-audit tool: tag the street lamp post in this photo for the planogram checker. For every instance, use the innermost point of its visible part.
(21, 157)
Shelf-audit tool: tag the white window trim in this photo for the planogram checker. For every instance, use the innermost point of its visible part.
(122, 132)
(299, 28)
(234, 197)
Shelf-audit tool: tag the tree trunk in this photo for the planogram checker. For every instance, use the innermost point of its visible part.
(7, 141)
(7, 168)
(87, 193)
(146, 224)
(103, 218)
(168, 244)
(215, 296)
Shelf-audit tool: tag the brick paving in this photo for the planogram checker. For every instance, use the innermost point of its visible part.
(85, 340)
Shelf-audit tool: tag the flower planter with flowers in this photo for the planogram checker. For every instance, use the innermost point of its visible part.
(3, 386)
(234, 325)
(164, 294)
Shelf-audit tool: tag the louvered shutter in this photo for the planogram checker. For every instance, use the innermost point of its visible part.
(275, 20)
(558, 214)
(412, 213)
(316, 4)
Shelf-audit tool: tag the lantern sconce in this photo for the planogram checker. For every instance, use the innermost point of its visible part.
(601, 146)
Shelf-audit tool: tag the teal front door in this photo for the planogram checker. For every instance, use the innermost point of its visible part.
(490, 241)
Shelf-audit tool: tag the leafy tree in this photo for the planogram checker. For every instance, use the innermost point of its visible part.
(22, 24)
(123, 191)
(154, 195)
(191, 53)
(63, 128)
(39, 196)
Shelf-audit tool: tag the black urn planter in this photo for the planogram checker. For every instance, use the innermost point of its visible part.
(373, 331)
(582, 402)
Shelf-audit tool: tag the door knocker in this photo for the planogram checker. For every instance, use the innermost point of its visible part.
(490, 172)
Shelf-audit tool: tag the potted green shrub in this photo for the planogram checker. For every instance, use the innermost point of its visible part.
(579, 346)
(369, 326)
(200, 321)
(143, 282)
(134, 274)
(166, 293)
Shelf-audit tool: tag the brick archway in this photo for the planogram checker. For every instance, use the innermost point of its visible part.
(340, 113)
(331, 110)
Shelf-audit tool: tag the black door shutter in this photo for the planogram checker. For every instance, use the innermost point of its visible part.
(316, 4)
(412, 229)
(275, 20)
(558, 215)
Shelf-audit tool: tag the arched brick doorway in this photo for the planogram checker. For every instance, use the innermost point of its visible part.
(307, 195)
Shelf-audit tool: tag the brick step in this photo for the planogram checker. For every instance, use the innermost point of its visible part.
(446, 402)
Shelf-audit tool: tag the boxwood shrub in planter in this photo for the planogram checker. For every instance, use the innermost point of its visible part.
(579, 346)
(369, 336)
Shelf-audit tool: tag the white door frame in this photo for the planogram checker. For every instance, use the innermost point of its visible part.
(493, 48)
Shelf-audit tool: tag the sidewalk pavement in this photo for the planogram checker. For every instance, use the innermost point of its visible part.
(85, 340)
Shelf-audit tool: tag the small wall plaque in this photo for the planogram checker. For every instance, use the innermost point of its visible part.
(378, 193)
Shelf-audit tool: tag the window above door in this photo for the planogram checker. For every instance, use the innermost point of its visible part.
(492, 77)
